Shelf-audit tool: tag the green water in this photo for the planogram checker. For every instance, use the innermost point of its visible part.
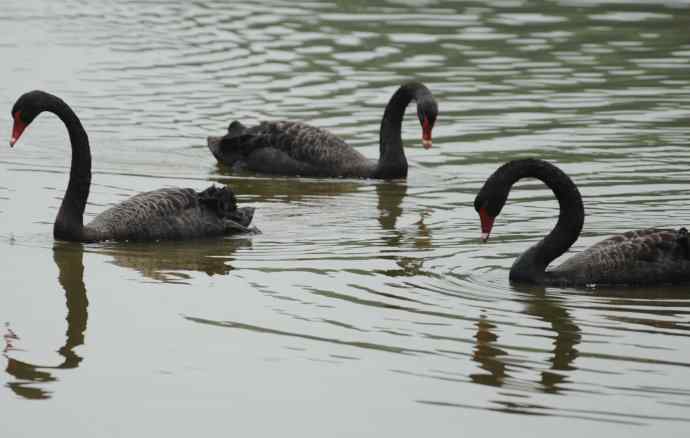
(365, 308)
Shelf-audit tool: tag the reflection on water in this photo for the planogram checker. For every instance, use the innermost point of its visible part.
(496, 360)
(390, 196)
(68, 258)
(487, 355)
(172, 262)
(286, 189)
(566, 336)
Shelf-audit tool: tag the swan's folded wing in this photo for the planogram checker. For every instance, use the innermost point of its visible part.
(649, 256)
(630, 236)
(170, 213)
(300, 141)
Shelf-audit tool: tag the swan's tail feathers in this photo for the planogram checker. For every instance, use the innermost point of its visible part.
(214, 145)
(227, 148)
(219, 199)
(240, 220)
(235, 128)
(243, 216)
(222, 201)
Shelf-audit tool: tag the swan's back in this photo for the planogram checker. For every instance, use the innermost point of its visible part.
(649, 256)
(290, 148)
(170, 214)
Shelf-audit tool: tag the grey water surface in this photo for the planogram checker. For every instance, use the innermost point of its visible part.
(365, 308)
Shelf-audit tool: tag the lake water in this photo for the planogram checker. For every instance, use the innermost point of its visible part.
(365, 308)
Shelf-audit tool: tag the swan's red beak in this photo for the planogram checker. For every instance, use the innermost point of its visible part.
(487, 224)
(17, 129)
(426, 134)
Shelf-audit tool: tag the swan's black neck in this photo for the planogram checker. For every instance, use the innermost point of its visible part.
(531, 265)
(392, 162)
(69, 224)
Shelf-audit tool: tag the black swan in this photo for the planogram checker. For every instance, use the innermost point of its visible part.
(172, 213)
(643, 257)
(293, 148)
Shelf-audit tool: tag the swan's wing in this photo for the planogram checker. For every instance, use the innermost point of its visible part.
(149, 206)
(649, 256)
(301, 142)
(651, 234)
(171, 213)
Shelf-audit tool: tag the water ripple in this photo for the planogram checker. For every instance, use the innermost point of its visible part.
(384, 280)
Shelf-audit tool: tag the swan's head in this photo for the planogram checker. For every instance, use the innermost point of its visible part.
(25, 110)
(427, 110)
(490, 201)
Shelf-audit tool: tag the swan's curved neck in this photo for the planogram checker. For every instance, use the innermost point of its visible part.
(69, 223)
(531, 265)
(392, 161)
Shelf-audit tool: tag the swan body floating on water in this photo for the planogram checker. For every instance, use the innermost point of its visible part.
(165, 214)
(643, 257)
(298, 149)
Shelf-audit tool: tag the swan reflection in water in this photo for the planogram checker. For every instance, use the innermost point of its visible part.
(552, 308)
(390, 196)
(172, 262)
(165, 262)
(68, 258)
(495, 360)
(284, 190)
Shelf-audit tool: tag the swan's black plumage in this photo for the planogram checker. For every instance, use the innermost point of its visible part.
(290, 148)
(294, 148)
(171, 213)
(643, 257)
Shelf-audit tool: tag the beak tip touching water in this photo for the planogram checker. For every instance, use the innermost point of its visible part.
(426, 144)
(484, 237)
(12, 141)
